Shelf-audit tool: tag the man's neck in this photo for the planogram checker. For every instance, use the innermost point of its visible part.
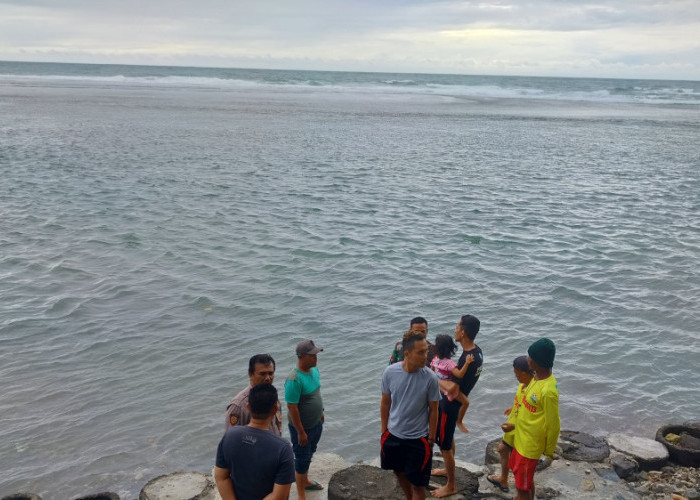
(542, 374)
(302, 368)
(257, 423)
(408, 368)
(467, 344)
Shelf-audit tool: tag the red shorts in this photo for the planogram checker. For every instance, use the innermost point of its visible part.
(523, 470)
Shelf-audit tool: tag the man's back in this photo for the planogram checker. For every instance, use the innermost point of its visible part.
(256, 459)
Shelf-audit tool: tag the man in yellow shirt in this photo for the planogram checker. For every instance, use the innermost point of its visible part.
(537, 422)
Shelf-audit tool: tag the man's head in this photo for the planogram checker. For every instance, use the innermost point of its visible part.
(521, 369)
(306, 352)
(261, 369)
(419, 324)
(415, 349)
(541, 354)
(469, 326)
(262, 401)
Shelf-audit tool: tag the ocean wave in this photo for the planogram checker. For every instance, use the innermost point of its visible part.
(455, 86)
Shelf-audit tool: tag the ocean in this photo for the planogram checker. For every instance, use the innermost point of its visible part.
(160, 225)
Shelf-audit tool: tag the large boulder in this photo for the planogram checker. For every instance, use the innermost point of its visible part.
(583, 447)
(649, 454)
(363, 482)
(684, 447)
(22, 496)
(180, 486)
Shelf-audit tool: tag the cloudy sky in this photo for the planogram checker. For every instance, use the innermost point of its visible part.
(605, 38)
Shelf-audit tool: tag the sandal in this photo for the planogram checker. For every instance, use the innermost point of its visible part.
(497, 484)
(314, 487)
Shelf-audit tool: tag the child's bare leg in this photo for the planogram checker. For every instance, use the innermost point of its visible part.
(462, 411)
(450, 388)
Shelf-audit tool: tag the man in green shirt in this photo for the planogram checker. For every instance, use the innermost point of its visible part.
(302, 392)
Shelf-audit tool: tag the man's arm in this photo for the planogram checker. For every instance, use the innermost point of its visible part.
(384, 408)
(433, 408)
(279, 492)
(295, 417)
(551, 423)
(224, 484)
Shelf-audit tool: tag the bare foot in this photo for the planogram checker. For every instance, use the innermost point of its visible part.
(438, 472)
(443, 491)
(462, 427)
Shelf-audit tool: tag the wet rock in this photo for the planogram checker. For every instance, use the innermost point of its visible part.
(623, 465)
(467, 483)
(583, 447)
(649, 454)
(180, 486)
(22, 496)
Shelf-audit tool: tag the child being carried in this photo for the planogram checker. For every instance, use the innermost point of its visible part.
(449, 374)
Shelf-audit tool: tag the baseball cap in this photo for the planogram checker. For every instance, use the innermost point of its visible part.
(307, 346)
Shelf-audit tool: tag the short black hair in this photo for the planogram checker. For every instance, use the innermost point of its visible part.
(262, 399)
(470, 325)
(419, 320)
(410, 338)
(445, 346)
(259, 359)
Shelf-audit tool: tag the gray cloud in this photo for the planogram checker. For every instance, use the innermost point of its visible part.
(427, 34)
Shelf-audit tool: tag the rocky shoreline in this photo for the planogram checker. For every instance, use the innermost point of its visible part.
(619, 466)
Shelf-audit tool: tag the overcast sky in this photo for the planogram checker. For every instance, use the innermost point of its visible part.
(607, 38)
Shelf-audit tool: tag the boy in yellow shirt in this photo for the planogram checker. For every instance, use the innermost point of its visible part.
(537, 422)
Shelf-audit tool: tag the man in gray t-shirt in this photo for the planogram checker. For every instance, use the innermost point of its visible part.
(251, 462)
(409, 408)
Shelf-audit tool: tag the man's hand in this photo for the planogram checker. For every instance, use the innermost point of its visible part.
(507, 427)
(303, 438)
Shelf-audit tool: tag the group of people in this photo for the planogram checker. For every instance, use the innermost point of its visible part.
(424, 398)
(253, 461)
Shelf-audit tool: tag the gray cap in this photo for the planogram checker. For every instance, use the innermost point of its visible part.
(307, 347)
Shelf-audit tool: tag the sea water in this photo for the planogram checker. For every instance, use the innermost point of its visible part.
(161, 225)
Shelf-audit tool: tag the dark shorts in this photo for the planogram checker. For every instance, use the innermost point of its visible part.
(447, 421)
(411, 457)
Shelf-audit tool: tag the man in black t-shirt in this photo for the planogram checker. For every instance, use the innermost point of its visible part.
(465, 333)
(251, 462)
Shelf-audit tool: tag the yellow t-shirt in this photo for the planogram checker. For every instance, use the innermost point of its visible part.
(537, 422)
(508, 437)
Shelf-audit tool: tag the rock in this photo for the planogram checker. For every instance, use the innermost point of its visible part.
(623, 465)
(583, 447)
(491, 456)
(100, 496)
(467, 483)
(180, 486)
(587, 485)
(686, 451)
(22, 496)
(363, 482)
(692, 494)
(571, 481)
(649, 454)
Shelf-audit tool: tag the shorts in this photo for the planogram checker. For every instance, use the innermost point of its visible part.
(303, 454)
(411, 457)
(447, 421)
(523, 470)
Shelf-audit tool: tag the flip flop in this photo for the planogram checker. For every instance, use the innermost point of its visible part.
(314, 487)
(497, 484)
